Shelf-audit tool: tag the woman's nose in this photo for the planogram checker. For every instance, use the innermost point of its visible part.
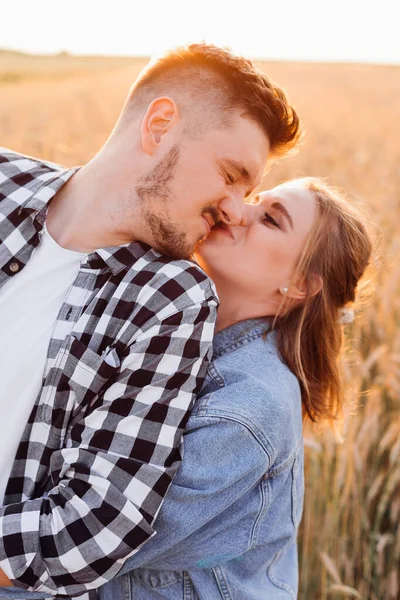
(247, 216)
(231, 210)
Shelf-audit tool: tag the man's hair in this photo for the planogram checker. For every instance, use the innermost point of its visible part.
(210, 86)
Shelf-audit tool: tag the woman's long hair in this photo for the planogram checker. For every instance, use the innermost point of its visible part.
(309, 335)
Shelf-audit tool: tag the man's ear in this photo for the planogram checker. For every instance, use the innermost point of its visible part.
(161, 115)
(304, 289)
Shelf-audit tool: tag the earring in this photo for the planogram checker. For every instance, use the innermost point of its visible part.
(284, 290)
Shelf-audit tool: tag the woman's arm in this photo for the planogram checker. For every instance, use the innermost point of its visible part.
(222, 462)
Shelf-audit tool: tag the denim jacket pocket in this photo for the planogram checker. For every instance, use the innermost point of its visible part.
(155, 579)
(80, 376)
(165, 585)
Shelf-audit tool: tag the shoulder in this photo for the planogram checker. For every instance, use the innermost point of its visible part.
(21, 175)
(175, 284)
(15, 162)
(256, 366)
(161, 295)
(252, 385)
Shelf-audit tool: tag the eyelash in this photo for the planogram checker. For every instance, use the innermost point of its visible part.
(267, 217)
(230, 178)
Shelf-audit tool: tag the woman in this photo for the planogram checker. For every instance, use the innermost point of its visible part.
(228, 526)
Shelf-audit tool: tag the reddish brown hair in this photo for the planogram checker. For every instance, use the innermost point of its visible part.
(309, 336)
(211, 85)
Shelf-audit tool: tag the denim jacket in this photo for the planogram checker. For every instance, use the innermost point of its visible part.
(227, 528)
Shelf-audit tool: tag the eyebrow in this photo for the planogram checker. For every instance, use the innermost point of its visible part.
(284, 211)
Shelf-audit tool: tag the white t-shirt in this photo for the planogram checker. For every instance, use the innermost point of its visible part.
(29, 304)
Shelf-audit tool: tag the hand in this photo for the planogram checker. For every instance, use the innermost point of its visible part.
(4, 581)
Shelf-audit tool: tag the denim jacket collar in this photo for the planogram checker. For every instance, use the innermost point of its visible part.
(239, 334)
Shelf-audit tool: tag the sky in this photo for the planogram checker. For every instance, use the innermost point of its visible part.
(322, 30)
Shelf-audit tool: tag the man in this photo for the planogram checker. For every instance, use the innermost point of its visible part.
(105, 341)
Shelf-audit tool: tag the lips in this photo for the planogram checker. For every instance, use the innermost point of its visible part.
(209, 223)
(224, 229)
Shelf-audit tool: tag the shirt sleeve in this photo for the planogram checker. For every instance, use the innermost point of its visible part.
(223, 461)
(110, 480)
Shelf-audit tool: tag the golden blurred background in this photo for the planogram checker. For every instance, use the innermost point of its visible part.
(62, 108)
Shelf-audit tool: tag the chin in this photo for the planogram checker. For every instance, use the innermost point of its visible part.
(199, 246)
(198, 252)
(206, 264)
(177, 247)
(197, 256)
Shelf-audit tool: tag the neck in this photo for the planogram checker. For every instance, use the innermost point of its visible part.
(88, 211)
(233, 308)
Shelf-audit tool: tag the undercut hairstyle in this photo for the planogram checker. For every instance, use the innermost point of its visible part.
(211, 86)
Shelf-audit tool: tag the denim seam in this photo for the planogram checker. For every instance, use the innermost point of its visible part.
(238, 343)
(180, 576)
(265, 498)
(216, 375)
(187, 587)
(271, 472)
(275, 580)
(198, 411)
(241, 421)
(218, 380)
(294, 491)
(127, 586)
(286, 464)
(222, 583)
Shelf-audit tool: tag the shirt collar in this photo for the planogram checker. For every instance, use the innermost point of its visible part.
(49, 184)
(239, 334)
(116, 258)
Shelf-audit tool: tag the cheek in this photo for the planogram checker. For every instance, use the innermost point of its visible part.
(281, 258)
(279, 249)
(193, 197)
(271, 256)
(218, 259)
(199, 185)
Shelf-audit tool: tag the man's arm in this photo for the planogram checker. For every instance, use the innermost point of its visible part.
(223, 461)
(110, 481)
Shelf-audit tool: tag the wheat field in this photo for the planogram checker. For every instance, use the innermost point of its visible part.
(62, 108)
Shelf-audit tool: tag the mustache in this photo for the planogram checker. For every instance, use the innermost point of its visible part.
(214, 214)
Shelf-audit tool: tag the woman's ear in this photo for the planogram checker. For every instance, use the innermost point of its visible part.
(161, 115)
(304, 289)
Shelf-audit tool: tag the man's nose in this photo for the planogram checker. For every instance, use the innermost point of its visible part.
(231, 210)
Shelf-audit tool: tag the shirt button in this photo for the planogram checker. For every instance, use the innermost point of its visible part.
(14, 267)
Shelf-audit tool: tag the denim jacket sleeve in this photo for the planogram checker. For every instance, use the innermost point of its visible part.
(211, 479)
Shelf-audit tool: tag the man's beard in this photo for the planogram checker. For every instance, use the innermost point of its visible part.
(167, 237)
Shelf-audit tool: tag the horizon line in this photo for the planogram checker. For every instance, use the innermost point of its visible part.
(73, 54)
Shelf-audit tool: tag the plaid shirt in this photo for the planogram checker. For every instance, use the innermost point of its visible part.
(127, 356)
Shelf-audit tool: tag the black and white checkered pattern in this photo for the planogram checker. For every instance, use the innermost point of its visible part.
(127, 356)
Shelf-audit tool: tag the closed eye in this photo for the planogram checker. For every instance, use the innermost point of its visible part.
(270, 220)
(230, 178)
